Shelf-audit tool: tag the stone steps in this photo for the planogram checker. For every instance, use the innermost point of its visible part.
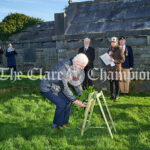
(98, 17)
(101, 27)
(84, 6)
(126, 14)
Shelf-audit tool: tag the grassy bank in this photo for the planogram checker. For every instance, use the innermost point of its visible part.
(26, 116)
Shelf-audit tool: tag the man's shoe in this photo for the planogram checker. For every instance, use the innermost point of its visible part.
(116, 98)
(65, 126)
(112, 97)
(56, 128)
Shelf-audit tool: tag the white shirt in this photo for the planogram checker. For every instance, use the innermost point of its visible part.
(86, 48)
(124, 48)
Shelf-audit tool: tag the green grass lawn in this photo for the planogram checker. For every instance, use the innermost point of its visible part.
(26, 116)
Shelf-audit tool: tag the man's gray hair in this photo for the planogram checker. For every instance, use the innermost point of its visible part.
(87, 39)
(81, 58)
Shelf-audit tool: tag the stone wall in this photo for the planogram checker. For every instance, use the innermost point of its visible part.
(35, 47)
(43, 45)
(102, 19)
(140, 45)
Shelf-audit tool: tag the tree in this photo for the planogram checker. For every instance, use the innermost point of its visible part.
(14, 23)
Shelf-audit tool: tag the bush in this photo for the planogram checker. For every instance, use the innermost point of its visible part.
(86, 93)
(15, 23)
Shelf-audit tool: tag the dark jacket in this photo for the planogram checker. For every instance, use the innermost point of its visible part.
(11, 60)
(1, 53)
(129, 59)
(90, 53)
(118, 56)
(56, 84)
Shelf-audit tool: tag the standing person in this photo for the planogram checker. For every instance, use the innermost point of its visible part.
(113, 72)
(127, 66)
(1, 53)
(90, 53)
(11, 60)
(56, 88)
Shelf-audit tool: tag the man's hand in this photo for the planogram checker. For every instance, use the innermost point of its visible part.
(111, 59)
(79, 103)
(84, 103)
(131, 69)
(110, 53)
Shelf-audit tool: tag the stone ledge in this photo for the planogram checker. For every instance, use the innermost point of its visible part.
(136, 86)
(141, 32)
(109, 6)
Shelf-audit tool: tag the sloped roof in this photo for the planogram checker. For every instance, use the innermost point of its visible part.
(109, 18)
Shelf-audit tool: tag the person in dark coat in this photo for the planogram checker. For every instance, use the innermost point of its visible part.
(114, 72)
(56, 87)
(11, 60)
(90, 53)
(127, 66)
(1, 53)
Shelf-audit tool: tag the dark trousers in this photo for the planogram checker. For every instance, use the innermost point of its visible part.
(87, 82)
(63, 107)
(112, 82)
(1, 59)
(13, 67)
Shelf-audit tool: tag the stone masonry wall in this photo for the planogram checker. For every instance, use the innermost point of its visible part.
(35, 47)
(43, 45)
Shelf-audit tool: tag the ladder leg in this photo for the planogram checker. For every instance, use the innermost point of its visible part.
(85, 118)
(101, 108)
(108, 112)
(91, 111)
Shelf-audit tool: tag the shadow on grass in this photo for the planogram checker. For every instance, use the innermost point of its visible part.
(4, 97)
(10, 90)
(133, 136)
(125, 106)
(12, 130)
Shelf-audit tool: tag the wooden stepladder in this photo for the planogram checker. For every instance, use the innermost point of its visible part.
(93, 97)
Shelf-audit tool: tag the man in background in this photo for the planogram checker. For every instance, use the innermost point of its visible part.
(127, 66)
(90, 53)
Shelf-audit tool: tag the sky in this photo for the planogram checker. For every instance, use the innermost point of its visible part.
(43, 9)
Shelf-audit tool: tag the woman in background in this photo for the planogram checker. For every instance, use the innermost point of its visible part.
(11, 60)
(114, 71)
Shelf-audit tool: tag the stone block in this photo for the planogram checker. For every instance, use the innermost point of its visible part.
(59, 23)
(137, 41)
(140, 86)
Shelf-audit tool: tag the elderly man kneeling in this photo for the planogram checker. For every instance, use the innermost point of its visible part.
(55, 87)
